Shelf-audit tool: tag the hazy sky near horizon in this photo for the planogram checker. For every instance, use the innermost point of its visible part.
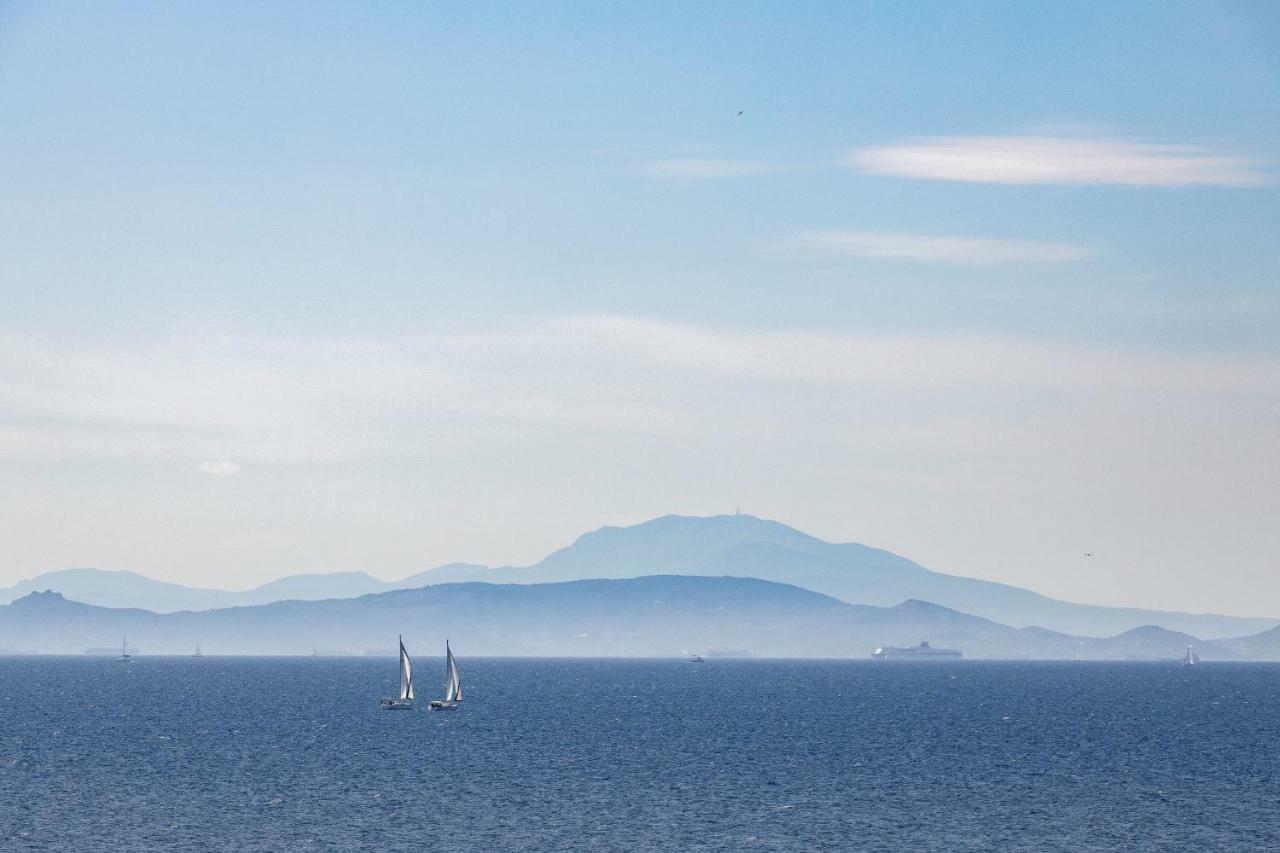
(378, 287)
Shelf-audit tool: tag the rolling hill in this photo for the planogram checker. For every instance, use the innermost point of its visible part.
(657, 615)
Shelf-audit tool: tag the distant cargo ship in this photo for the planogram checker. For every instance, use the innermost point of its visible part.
(924, 651)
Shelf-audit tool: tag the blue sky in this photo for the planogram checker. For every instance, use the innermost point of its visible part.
(989, 284)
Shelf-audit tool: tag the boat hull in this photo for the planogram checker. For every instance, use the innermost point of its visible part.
(441, 705)
(396, 704)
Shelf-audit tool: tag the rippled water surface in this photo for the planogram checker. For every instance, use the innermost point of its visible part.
(217, 754)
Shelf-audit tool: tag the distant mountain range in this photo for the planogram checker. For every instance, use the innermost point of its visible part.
(662, 615)
(733, 545)
(745, 546)
(130, 589)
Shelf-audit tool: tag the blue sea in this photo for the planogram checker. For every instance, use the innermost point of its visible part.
(271, 754)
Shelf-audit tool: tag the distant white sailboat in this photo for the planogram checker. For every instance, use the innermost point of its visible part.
(1190, 658)
(125, 657)
(452, 683)
(403, 702)
(198, 654)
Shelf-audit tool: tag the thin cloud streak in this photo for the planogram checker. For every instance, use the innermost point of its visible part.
(1058, 160)
(968, 251)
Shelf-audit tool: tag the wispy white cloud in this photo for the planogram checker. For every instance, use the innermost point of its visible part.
(976, 251)
(699, 168)
(1058, 160)
(220, 469)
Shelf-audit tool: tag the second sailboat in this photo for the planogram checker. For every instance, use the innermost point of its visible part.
(403, 702)
(452, 683)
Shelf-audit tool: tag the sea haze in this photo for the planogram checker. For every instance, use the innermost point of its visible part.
(185, 754)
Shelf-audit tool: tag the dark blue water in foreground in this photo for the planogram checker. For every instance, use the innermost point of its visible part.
(292, 754)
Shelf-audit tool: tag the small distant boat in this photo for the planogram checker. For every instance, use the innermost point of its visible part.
(403, 702)
(452, 683)
(198, 654)
(1190, 658)
(125, 657)
(697, 659)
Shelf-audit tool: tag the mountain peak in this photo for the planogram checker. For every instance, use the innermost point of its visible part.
(916, 605)
(43, 598)
(670, 544)
(1154, 632)
(673, 522)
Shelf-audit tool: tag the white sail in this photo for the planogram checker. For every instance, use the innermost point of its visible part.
(406, 674)
(452, 683)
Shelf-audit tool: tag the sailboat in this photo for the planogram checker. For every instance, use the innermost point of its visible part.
(452, 683)
(1190, 658)
(198, 654)
(403, 702)
(125, 657)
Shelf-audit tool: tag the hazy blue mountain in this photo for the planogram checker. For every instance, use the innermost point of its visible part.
(745, 546)
(1262, 646)
(448, 573)
(129, 589)
(734, 545)
(313, 587)
(665, 615)
(1151, 642)
(120, 589)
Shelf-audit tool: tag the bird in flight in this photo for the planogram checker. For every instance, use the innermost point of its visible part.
(739, 112)
(1089, 555)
